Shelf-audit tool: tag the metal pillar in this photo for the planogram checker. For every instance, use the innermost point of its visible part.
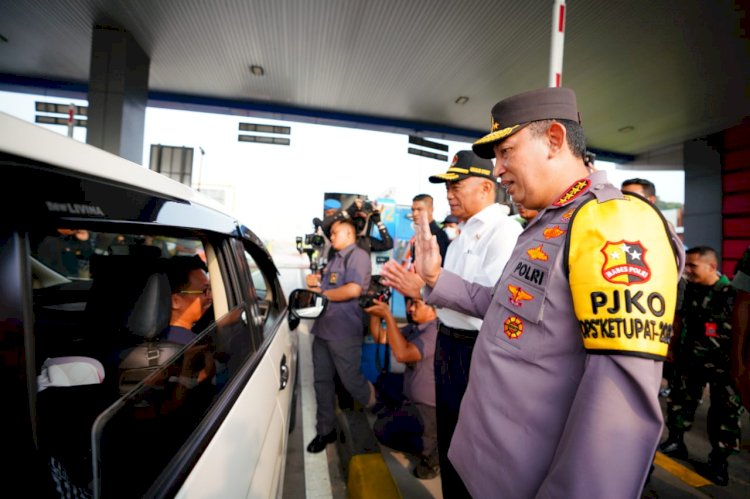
(118, 92)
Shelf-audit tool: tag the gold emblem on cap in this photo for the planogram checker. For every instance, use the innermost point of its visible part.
(500, 134)
(481, 171)
(494, 125)
(454, 169)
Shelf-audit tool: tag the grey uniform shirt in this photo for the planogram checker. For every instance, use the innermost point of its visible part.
(541, 417)
(419, 377)
(343, 319)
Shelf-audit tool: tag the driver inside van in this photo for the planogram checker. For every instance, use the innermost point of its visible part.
(191, 299)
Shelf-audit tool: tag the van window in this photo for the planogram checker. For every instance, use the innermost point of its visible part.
(103, 299)
(137, 439)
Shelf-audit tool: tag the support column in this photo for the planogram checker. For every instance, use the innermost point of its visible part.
(703, 193)
(118, 92)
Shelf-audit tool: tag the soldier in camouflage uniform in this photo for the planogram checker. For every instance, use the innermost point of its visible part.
(702, 356)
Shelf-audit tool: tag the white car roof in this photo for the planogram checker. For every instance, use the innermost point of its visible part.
(22, 138)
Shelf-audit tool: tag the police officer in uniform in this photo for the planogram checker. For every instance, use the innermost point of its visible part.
(562, 398)
(702, 356)
(337, 346)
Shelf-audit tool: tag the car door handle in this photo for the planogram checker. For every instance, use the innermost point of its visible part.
(284, 371)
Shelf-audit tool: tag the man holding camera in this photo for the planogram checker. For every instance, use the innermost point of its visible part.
(411, 426)
(366, 213)
(337, 347)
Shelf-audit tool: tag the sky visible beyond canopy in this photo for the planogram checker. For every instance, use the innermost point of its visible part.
(278, 190)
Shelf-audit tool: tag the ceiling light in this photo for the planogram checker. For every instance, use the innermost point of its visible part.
(626, 129)
(462, 100)
(257, 70)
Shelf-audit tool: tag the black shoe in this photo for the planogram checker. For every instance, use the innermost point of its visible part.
(674, 448)
(424, 470)
(319, 443)
(717, 470)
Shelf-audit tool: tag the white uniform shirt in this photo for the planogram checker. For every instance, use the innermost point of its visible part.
(479, 255)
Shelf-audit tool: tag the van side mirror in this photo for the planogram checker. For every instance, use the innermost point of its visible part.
(305, 304)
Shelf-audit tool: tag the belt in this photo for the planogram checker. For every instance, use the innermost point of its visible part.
(458, 334)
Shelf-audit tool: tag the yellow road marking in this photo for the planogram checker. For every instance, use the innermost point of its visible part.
(369, 477)
(684, 473)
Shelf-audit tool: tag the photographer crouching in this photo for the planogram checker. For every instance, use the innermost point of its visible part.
(337, 344)
(411, 426)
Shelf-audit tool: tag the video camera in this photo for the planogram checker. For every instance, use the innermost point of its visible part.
(376, 292)
(313, 244)
(314, 240)
(368, 206)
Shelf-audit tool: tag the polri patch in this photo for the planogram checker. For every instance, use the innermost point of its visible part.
(625, 263)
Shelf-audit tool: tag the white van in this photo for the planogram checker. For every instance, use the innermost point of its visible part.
(97, 401)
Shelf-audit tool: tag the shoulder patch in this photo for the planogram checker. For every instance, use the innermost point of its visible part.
(623, 278)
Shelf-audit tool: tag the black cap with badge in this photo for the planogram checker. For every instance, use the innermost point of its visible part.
(511, 115)
(466, 164)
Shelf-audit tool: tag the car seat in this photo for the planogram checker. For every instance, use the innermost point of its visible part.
(70, 397)
(149, 317)
(129, 303)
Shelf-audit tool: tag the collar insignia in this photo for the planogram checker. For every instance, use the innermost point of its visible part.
(573, 192)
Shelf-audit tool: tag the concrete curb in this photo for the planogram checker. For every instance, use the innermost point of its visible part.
(370, 478)
(368, 475)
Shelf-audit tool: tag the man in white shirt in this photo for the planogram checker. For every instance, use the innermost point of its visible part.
(478, 254)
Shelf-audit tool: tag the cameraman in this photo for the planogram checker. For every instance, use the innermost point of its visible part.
(318, 244)
(410, 427)
(366, 213)
(337, 344)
